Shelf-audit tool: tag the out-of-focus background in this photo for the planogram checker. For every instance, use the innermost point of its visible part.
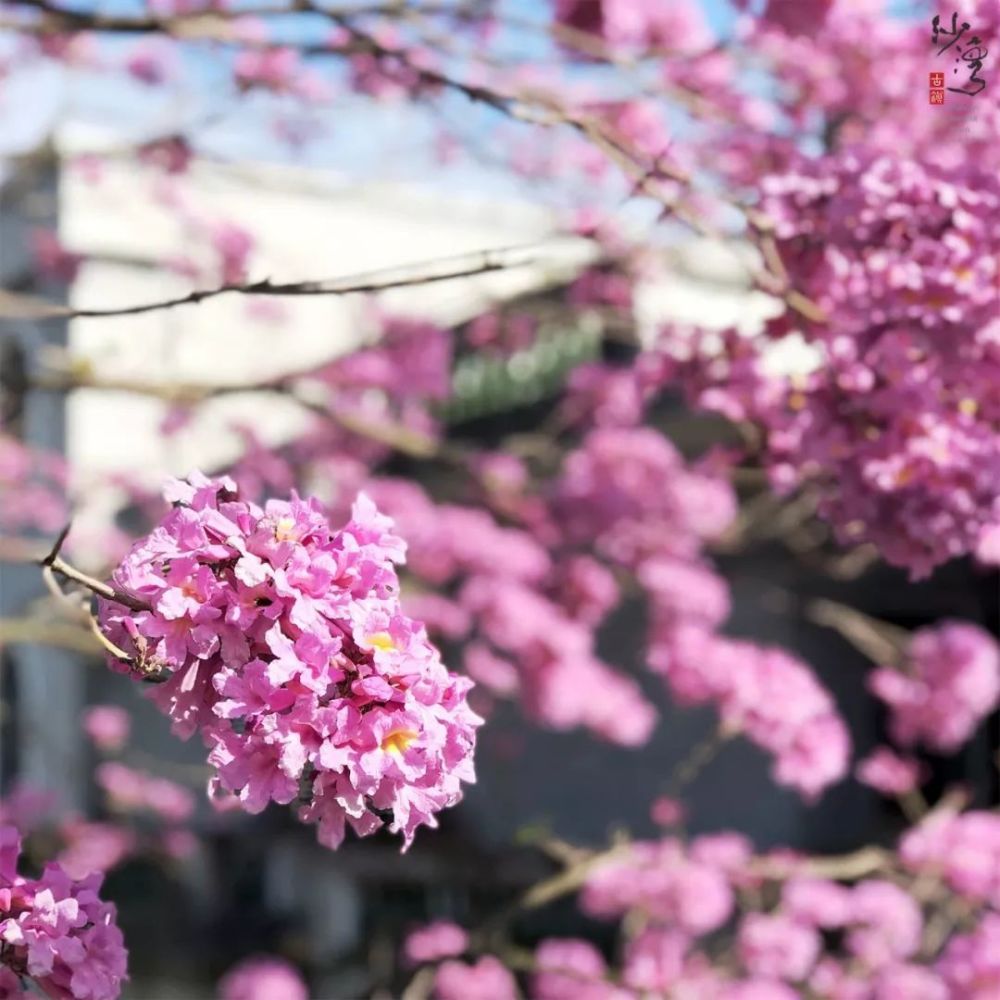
(262, 883)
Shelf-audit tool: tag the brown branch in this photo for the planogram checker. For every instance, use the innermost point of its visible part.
(110, 593)
(593, 128)
(355, 285)
(32, 631)
(881, 642)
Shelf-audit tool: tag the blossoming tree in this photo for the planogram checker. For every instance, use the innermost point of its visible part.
(301, 640)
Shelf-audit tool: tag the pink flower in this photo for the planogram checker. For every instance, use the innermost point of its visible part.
(774, 945)
(568, 969)
(107, 726)
(964, 848)
(904, 981)
(797, 18)
(628, 493)
(53, 260)
(667, 811)
(150, 64)
(951, 682)
(263, 977)
(284, 643)
(765, 693)
(486, 979)
(970, 964)
(886, 923)
(233, 245)
(661, 879)
(57, 931)
(440, 939)
(26, 807)
(93, 847)
(889, 773)
(895, 425)
(817, 902)
(656, 961)
(638, 24)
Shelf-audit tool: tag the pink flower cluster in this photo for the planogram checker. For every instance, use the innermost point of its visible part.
(638, 24)
(963, 848)
(628, 493)
(668, 882)
(132, 790)
(949, 683)
(898, 424)
(818, 937)
(766, 694)
(108, 726)
(263, 977)
(888, 773)
(970, 965)
(534, 621)
(435, 941)
(485, 979)
(57, 932)
(283, 641)
(32, 488)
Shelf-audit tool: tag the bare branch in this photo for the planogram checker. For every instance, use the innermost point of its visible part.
(59, 565)
(370, 282)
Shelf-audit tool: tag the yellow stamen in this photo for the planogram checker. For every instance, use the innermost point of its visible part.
(796, 401)
(284, 530)
(968, 406)
(398, 740)
(381, 640)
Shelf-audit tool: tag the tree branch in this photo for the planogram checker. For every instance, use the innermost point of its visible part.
(110, 593)
(365, 283)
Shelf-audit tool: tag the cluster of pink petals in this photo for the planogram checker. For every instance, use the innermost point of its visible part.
(970, 964)
(534, 621)
(32, 488)
(768, 695)
(628, 493)
(832, 56)
(283, 642)
(897, 426)
(278, 68)
(393, 381)
(638, 24)
(90, 846)
(441, 939)
(900, 423)
(888, 773)
(56, 931)
(132, 790)
(107, 726)
(52, 258)
(571, 969)
(667, 882)
(485, 979)
(233, 246)
(964, 849)
(881, 926)
(263, 977)
(949, 683)
(822, 938)
(775, 946)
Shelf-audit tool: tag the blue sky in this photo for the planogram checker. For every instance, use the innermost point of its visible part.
(388, 141)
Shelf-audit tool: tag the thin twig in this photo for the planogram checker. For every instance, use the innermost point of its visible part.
(357, 285)
(110, 593)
